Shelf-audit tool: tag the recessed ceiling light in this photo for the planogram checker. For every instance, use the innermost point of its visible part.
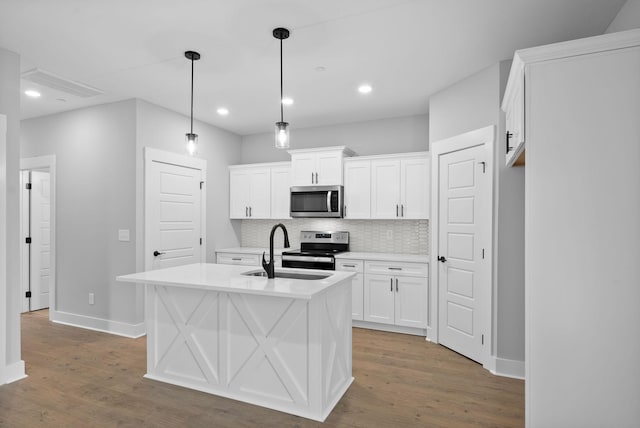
(223, 111)
(321, 68)
(364, 89)
(287, 101)
(31, 93)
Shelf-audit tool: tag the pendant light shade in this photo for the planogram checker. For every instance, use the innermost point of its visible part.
(190, 137)
(282, 127)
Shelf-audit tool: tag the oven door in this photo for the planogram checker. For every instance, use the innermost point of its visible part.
(316, 201)
(308, 262)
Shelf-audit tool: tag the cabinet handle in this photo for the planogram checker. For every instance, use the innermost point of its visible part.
(249, 211)
(396, 285)
(236, 259)
(316, 178)
(509, 135)
(312, 178)
(246, 211)
(401, 210)
(391, 280)
(396, 210)
(351, 266)
(345, 211)
(395, 268)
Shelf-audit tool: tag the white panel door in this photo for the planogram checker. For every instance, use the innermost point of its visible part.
(378, 299)
(40, 271)
(462, 222)
(411, 301)
(280, 192)
(174, 214)
(415, 188)
(357, 189)
(385, 189)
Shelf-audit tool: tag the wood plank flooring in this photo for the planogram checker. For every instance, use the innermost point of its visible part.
(81, 378)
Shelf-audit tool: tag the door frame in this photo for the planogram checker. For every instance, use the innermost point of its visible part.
(481, 137)
(155, 155)
(44, 163)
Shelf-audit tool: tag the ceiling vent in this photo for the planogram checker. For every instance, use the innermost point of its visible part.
(49, 80)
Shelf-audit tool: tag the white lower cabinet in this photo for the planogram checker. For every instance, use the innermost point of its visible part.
(357, 285)
(398, 297)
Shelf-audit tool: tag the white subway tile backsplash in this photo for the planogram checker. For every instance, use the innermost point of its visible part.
(372, 236)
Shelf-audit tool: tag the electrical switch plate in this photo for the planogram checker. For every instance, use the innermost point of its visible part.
(91, 298)
(389, 234)
(123, 235)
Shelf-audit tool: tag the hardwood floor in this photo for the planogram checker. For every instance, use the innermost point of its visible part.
(82, 378)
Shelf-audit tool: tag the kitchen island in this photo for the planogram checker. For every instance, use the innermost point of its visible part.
(281, 343)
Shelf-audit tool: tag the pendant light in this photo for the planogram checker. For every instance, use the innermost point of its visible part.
(191, 138)
(282, 127)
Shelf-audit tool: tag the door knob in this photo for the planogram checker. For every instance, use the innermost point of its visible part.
(157, 253)
(442, 259)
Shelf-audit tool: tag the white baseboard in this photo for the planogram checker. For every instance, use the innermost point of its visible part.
(99, 324)
(14, 372)
(389, 328)
(508, 368)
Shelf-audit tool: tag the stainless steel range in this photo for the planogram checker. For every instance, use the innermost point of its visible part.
(317, 250)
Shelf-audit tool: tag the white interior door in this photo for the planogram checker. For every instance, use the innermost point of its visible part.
(462, 244)
(174, 223)
(40, 269)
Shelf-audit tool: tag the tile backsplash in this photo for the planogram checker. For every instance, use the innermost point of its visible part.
(372, 236)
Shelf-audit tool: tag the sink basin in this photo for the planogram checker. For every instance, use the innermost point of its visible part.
(292, 275)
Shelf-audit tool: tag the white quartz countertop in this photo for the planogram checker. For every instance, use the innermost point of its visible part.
(386, 257)
(251, 250)
(229, 278)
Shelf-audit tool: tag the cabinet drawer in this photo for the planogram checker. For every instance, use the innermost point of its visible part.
(397, 268)
(238, 259)
(350, 265)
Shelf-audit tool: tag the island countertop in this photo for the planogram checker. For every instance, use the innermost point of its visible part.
(229, 278)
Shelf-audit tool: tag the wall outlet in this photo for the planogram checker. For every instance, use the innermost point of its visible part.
(389, 234)
(91, 298)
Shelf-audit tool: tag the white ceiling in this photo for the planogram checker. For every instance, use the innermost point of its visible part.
(406, 49)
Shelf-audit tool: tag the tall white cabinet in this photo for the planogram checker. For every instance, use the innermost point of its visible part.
(582, 230)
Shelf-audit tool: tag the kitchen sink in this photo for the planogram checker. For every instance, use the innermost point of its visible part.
(291, 275)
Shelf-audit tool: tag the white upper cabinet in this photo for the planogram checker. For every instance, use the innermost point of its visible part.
(321, 166)
(513, 107)
(280, 185)
(259, 191)
(249, 192)
(357, 188)
(400, 187)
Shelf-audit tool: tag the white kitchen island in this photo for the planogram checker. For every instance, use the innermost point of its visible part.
(280, 343)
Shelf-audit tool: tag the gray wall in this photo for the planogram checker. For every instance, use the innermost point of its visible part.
(396, 135)
(9, 212)
(628, 17)
(164, 129)
(471, 104)
(95, 196)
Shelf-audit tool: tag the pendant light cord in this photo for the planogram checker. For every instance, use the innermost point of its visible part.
(192, 95)
(281, 84)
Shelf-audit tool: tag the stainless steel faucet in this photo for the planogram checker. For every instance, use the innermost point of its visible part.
(269, 267)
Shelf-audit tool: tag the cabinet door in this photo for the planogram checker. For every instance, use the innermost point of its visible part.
(280, 185)
(357, 297)
(260, 206)
(414, 188)
(303, 169)
(378, 298)
(239, 193)
(385, 189)
(329, 168)
(411, 301)
(357, 189)
(514, 122)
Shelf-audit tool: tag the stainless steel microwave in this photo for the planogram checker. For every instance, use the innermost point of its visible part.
(316, 201)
